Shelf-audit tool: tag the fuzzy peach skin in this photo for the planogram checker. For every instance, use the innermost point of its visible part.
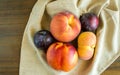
(86, 45)
(65, 26)
(62, 56)
(85, 52)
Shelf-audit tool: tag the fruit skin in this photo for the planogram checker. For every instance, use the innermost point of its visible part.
(65, 26)
(89, 22)
(86, 45)
(62, 56)
(42, 39)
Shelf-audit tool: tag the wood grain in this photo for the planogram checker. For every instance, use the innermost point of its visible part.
(14, 15)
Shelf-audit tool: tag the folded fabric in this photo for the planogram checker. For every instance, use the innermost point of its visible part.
(33, 60)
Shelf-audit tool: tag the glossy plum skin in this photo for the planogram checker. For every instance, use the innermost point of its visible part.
(42, 39)
(89, 22)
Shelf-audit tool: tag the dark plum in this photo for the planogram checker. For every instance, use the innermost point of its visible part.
(42, 39)
(89, 22)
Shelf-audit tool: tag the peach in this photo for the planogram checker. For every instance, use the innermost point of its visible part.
(65, 26)
(62, 56)
(86, 45)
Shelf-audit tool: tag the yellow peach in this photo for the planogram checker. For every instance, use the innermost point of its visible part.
(86, 45)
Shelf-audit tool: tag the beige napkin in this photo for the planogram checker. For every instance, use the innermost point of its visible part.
(33, 60)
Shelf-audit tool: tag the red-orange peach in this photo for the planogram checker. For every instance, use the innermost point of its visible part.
(65, 26)
(62, 56)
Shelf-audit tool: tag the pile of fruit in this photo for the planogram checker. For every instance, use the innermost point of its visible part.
(65, 27)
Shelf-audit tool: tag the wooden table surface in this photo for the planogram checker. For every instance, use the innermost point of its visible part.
(14, 15)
